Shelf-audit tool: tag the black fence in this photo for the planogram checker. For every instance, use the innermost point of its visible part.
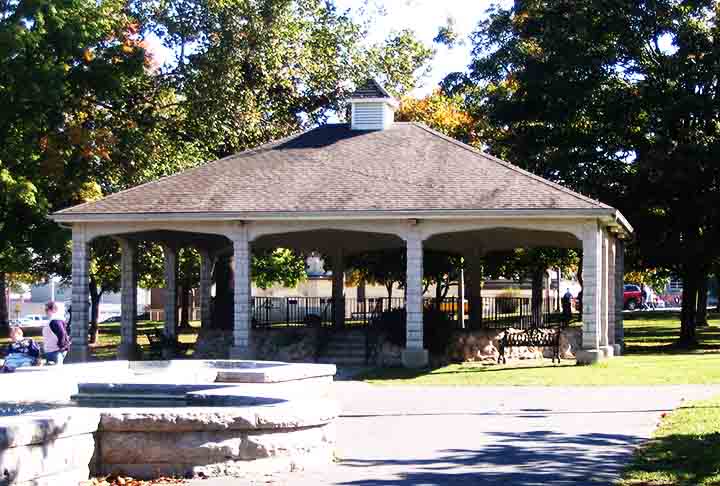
(318, 311)
(496, 312)
(504, 312)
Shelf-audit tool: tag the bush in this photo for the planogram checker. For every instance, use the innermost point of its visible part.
(437, 328)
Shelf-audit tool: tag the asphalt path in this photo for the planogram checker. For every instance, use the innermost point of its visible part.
(507, 436)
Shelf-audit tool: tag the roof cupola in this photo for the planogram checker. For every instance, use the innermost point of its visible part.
(371, 107)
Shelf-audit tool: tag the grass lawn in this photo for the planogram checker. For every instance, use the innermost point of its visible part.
(109, 337)
(685, 450)
(651, 358)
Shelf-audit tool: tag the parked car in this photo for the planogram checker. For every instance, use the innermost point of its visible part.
(33, 321)
(632, 296)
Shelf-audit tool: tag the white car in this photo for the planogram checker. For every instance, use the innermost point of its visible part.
(33, 321)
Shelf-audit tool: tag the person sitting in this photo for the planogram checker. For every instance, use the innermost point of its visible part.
(20, 352)
(55, 337)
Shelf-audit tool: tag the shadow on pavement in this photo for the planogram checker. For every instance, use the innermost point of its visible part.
(528, 459)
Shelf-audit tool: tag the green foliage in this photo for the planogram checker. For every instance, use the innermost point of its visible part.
(251, 72)
(281, 266)
(386, 268)
(655, 278)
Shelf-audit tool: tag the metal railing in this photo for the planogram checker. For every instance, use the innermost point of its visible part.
(503, 312)
(318, 311)
(495, 312)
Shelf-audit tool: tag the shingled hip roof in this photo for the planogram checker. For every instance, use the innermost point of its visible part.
(331, 169)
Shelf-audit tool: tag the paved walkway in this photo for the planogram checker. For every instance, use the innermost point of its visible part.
(507, 436)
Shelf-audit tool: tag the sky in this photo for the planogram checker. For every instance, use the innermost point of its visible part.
(424, 17)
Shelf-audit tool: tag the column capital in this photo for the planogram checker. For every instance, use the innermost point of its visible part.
(238, 231)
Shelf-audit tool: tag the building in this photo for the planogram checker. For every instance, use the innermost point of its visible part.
(383, 185)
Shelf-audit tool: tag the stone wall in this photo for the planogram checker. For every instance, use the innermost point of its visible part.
(54, 448)
(298, 345)
(191, 442)
(484, 345)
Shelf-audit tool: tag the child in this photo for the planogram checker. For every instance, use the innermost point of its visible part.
(20, 352)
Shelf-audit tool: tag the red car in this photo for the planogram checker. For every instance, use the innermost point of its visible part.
(632, 296)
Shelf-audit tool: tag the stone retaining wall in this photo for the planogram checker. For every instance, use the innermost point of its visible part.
(54, 448)
(209, 442)
(484, 345)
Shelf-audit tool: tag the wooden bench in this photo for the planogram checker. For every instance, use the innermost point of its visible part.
(537, 337)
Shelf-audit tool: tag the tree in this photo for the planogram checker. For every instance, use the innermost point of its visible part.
(442, 112)
(386, 268)
(20, 205)
(251, 72)
(281, 266)
(583, 94)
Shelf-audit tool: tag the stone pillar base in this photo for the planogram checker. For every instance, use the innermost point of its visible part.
(608, 351)
(79, 353)
(617, 350)
(240, 352)
(415, 358)
(589, 356)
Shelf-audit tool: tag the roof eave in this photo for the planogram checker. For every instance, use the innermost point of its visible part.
(609, 215)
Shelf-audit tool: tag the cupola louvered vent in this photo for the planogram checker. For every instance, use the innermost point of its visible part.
(372, 107)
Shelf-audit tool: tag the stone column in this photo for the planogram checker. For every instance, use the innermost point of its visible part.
(241, 295)
(612, 292)
(338, 287)
(206, 262)
(414, 355)
(605, 295)
(461, 298)
(592, 281)
(474, 287)
(79, 351)
(619, 331)
(128, 300)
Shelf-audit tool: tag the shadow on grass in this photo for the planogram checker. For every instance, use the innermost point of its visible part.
(680, 459)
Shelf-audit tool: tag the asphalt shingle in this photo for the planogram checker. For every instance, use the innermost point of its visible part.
(332, 168)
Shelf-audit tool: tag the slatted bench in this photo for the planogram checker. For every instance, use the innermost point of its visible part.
(537, 337)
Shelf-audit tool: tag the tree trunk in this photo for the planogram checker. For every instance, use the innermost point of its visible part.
(185, 305)
(389, 288)
(4, 303)
(701, 318)
(538, 281)
(95, 295)
(688, 312)
(223, 307)
(438, 292)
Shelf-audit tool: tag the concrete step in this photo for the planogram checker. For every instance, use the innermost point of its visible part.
(335, 353)
(344, 360)
(335, 345)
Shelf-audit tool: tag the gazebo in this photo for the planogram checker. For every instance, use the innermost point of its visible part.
(349, 188)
